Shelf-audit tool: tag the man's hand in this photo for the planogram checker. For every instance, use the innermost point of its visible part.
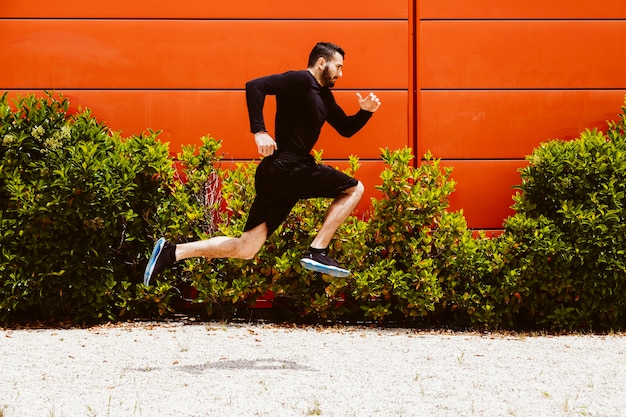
(370, 103)
(265, 143)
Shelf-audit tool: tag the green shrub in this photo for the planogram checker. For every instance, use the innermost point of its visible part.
(408, 238)
(76, 203)
(564, 249)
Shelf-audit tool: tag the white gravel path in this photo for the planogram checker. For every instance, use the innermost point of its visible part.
(212, 369)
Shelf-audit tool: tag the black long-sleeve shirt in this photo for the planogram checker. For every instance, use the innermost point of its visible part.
(302, 107)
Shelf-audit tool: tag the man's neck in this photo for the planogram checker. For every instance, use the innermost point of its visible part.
(316, 76)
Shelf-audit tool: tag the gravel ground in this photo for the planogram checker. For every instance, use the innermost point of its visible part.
(213, 369)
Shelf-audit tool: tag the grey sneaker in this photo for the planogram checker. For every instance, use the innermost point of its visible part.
(321, 262)
(163, 256)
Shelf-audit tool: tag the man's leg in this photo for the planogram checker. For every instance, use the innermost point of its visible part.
(245, 247)
(337, 213)
(316, 257)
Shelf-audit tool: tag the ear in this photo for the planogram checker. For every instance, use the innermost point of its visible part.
(321, 63)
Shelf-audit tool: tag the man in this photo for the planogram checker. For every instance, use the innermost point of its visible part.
(288, 172)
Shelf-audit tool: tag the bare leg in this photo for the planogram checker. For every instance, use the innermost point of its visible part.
(244, 247)
(337, 213)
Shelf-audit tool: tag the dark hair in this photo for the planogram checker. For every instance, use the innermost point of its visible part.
(325, 50)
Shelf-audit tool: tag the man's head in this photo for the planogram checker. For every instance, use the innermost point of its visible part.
(326, 63)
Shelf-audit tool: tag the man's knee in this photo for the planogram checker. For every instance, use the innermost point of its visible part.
(251, 242)
(357, 191)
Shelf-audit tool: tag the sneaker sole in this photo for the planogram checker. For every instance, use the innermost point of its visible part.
(147, 275)
(312, 265)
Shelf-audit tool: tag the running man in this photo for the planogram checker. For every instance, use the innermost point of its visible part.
(288, 172)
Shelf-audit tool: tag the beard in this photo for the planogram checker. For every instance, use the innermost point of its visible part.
(328, 79)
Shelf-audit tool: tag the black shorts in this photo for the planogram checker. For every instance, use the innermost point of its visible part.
(282, 179)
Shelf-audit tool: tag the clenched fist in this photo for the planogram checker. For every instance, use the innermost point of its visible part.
(266, 144)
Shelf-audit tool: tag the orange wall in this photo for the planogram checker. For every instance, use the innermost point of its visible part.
(181, 67)
(478, 83)
(495, 79)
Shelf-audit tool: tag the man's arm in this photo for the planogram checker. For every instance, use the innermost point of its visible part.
(349, 125)
(256, 90)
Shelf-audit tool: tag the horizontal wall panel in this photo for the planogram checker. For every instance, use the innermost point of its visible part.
(521, 54)
(508, 123)
(191, 54)
(185, 116)
(523, 9)
(484, 190)
(197, 9)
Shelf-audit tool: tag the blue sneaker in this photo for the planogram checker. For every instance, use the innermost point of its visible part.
(163, 256)
(321, 262)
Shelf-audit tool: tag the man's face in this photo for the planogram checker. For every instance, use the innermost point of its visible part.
(332, 70)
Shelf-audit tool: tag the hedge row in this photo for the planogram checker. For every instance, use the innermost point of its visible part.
(80, 208)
